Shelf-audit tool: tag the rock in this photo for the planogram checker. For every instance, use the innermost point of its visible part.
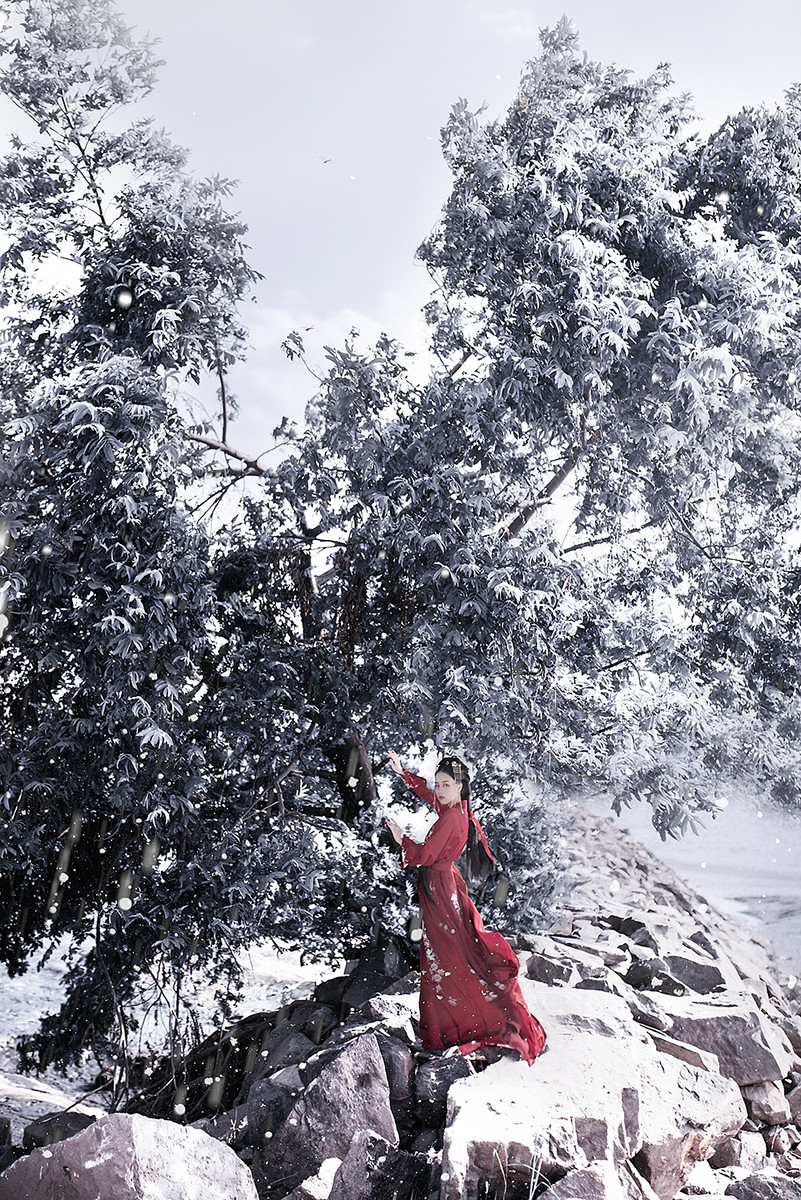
(644, 1009)
(636, 930)
(373, 1167)
(5, 1131)
(332, 991)
(602, 1092)
(130, 1158)
(700, 938)
(288, 1078)
(702, 1181)
(791, 1025)
(702, 1059)
(653, 974)
(547, 970)
(318, 1187)
(425, 1141)
(697, 976)
(397, 1011)
(683, 1114)
(432, 1083)
(745, 1150)
(596, 1182)
(794, 1102)
(363, 988)
(765, 1187)
(232, 1127)
(778, 1141)
(749, 1048)
(268, 1105)
(313, 1019)
(767, 1103)
(350, 1094)
(53, 1127)
(286, 1046)
(562, 926)
(399, 1066)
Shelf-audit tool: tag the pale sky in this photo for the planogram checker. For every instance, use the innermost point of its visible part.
(264, 91)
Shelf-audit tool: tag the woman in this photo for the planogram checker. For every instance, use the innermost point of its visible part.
(469, 993)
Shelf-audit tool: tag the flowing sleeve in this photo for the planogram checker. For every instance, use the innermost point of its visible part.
(445, 841)
(420, 787)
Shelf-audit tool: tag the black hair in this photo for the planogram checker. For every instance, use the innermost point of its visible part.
(479, 863)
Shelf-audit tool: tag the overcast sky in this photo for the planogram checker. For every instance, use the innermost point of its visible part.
(328, 113)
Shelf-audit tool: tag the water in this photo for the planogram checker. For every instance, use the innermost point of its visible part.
(746, 862)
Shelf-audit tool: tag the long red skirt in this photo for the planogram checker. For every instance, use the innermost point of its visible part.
(469, 993)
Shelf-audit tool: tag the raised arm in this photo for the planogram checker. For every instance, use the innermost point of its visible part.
(415, 782)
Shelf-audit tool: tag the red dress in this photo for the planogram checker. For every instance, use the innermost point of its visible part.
(469, 993)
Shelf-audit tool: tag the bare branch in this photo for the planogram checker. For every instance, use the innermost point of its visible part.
(553, 484)
(222, 446)
(223, 395)
(609, 538)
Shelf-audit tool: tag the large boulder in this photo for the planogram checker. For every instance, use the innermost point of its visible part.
(765, 1187)
(749, 1047)
(350, 1094)
(130, 1158)
(601, 1093)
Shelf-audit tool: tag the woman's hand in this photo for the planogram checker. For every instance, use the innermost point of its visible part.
(394, 829)
(394, 762)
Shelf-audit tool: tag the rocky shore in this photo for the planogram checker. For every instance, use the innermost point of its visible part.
(673, 1069)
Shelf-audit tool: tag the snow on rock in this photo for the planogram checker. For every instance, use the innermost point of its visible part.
(749, 1047)
(130, 1158)
(601, 1093)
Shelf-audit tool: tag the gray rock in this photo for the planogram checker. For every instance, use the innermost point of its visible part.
(268, 1105)
(317, 1187)
(286, 1046)
(53, 1127)
(432, 1083)
(644, 1008)
(794, 1102)
(231, 1127)
(350, 1094)
(744, 1150)
(354, 1179)
(778, 1141)
(596, 1182)
(314, 1020)
(702, 1059)
(702, 1181)
(749, 1048)
(332, 991)
(765, 1187)
(767, 1103)
(550, 971)
(374, 1168)
(129, 1158)
(698, 976)
(654, 975)
(425, 1141)
(792, 1030)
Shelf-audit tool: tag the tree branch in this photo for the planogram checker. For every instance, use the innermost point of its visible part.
(554, 483)
(610, 538)
(223, 396)
(222, 446)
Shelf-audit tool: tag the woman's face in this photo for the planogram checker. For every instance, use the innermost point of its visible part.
(447, 790)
